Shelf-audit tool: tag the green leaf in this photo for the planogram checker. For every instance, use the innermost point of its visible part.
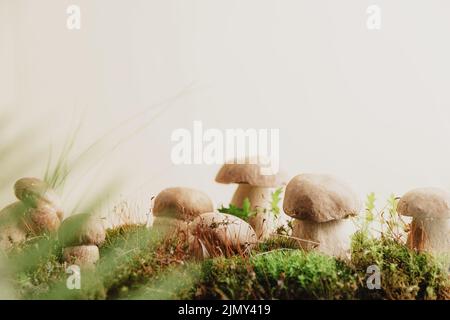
(275, 200)
(243, 213)
(370, 206)
(246, 207)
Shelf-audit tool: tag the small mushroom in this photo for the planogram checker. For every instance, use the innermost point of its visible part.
(84, 256)
(81, 234)
(215, 233)
(38, 220)
(82, 229)
(256, 183)
(430, 210)
(35, 193)
(174, 207)
(321, 205)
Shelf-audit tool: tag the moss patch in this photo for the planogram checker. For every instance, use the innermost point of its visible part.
(137, 263)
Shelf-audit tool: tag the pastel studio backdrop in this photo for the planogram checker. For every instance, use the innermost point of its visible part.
(370, 106)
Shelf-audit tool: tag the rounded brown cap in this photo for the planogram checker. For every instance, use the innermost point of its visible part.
(82, 229)
(82, 256)
(249, 171)
(216, 233)
(319, 198)
(425, 203)
(42, 219)
(35, 192)
(13, 213)
(181, 203)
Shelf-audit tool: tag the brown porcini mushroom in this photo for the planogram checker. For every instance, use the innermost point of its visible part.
(430, 227)
(321, 206)
(215, 233)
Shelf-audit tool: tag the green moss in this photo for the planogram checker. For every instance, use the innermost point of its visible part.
(134, 257)
(137, 263)
(294, 274)
(291, 274)
(405, 274)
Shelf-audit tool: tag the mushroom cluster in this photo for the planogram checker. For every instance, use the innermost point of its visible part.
(37, 211)
(191, 212)
(81, 235)
(321, 206)
(257, 186)
(430, 227)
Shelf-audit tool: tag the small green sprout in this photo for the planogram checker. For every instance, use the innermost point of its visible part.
(243, 213)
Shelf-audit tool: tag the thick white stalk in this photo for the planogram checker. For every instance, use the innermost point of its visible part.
(332, 238)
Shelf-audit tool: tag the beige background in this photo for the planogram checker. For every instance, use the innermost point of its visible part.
(372, 107)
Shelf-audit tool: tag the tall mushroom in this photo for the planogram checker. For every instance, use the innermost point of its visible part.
(321, 206)
(215, 233)
(253, 183)
(175, 207)
(430, 210)
(257, 186)
(81, 235)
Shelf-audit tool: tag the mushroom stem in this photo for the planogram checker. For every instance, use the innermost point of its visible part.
(430, 234)
(334, 237)
(264, 223)
(259, 197)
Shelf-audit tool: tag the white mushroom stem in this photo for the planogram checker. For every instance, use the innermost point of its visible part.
(264, 222)
(332, 238)
(259, 197)
(430, 234)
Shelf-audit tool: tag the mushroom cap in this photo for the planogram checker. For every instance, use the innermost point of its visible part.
(225, 231)
(13, 212)
(83, 256)
(181, 203)
(319, 198)
(425, 203)
(42, 219)
(35, 192)
(249, 171)
(82, 229)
